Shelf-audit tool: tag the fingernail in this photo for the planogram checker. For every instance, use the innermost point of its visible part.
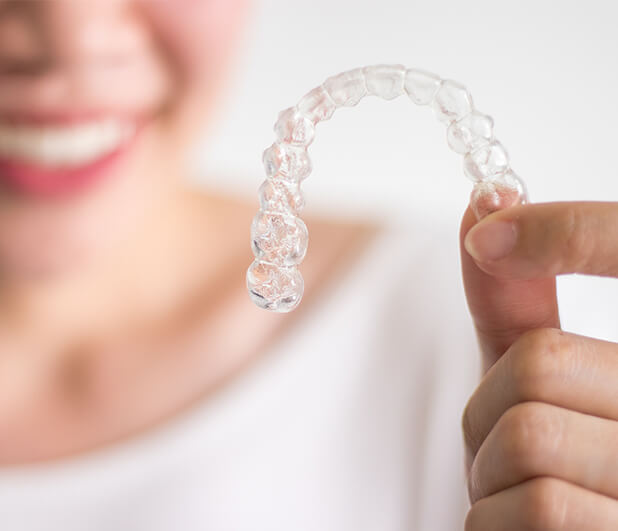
(488, 242)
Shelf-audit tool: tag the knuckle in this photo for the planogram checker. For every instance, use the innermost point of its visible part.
(469, 428)
(539, 362)
(540, 504)
(577, 240)
(529, 434)
(544, 505)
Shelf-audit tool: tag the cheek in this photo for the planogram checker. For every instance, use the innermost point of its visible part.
(197, 39)
(196, 35)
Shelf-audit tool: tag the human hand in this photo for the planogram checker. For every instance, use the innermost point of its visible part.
(541, 430)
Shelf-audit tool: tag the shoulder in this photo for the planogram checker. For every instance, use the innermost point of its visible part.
(336, 241)
(335, 247)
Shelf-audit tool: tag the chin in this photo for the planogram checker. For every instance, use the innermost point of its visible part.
(45, 243)
(34, 266)
(56, 222)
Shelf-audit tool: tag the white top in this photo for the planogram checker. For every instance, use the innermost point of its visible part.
(351, 422)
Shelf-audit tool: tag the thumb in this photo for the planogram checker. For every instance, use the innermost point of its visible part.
(502, 308)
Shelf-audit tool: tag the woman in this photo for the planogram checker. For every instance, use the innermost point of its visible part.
(140, 389)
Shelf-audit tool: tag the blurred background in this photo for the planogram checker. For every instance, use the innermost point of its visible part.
(546, 72)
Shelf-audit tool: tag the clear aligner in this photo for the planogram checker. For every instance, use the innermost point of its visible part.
(279, 238)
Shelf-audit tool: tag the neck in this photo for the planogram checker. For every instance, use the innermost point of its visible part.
(173, 249)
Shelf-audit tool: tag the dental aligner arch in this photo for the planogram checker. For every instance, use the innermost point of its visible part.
(279, 238)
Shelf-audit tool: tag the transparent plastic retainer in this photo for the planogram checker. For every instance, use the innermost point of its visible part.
(279, 238)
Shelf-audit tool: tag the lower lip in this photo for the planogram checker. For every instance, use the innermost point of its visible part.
(29, 179)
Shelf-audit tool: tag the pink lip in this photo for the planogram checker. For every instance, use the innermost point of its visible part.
(28, 179)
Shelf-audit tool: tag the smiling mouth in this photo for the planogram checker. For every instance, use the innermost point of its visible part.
(57, 157)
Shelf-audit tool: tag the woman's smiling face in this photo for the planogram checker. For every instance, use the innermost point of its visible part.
(98, 102)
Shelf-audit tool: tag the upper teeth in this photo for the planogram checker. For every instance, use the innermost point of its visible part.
(63, 145)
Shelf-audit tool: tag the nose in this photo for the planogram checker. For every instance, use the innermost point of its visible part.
(80, 33)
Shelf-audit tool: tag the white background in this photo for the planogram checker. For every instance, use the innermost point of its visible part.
(545, 70)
